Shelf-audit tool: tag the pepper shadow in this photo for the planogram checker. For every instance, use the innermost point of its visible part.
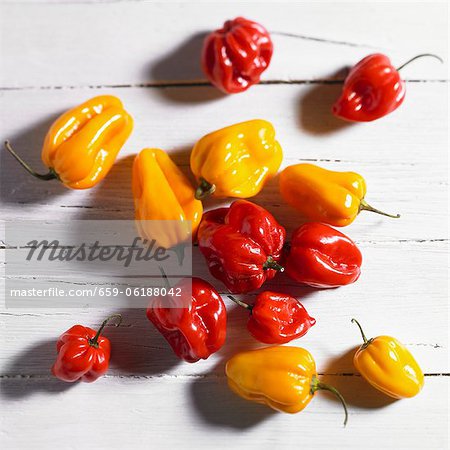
(341, 374)
(16, 185)
(181, 68)
(37, 359)
(139, 349)
(315, 115)
(217, 406)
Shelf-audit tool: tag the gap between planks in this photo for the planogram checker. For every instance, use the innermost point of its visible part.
(205, 376)
(193, 83)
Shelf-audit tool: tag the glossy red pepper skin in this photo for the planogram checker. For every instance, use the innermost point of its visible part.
(242, 245)
(372, 89)
(78, 358)
(277, 318)
(322, 257)
(235, 56)
(195, 328)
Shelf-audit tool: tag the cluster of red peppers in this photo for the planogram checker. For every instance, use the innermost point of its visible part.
(243, 244)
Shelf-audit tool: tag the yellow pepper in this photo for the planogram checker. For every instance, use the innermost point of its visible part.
(237, 160)
(163, 193)
(388, 366)
(283, 378)
(81, 145)
(325, 196)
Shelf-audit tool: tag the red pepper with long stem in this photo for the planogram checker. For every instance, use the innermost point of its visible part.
(276, 318)
(372, 89)
(322, 257)
(193, 323)
(83, 353)
(242, 245)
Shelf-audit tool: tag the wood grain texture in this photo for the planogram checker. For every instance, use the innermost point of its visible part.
(147, 54)
(134, 413)
(141, 42)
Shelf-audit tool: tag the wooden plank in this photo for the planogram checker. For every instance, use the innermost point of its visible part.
(141, 42)
(394, 296)
(204, 411)
(405, 173)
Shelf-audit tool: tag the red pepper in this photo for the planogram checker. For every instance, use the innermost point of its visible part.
(235, 56)
(277, 318)
(83, 354)
(241, 244)
(194, 327)
(322, 257)
(372, 89)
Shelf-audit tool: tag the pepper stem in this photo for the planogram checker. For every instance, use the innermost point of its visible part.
(317, 385)
(51, 175)
(272, 264)
(420, 56)
(238, 302)
(364, 206)
(166, 279)
(204, 189)
(366, 341)
(94, 341)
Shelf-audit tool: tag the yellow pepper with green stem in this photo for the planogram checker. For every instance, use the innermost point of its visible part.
(388, 366)
(165, 206)
(81, 145)
(237, 160)
(283, 378)
(325, 196)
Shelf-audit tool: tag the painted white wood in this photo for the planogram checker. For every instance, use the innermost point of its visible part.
(200, 413)
(149, 397)
(406, 171)
(147, 42)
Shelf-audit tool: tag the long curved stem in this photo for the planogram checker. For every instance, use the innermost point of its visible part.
(317, 385)
(238, 302)
(362, 332)
(420, 56)
(326, 387)
(51, 175)
(94, 340)
(166, 279)
(364, 206)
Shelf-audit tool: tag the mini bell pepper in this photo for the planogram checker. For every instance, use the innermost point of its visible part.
(388, 366)
(195, 327)
(242, 245)
(372, 89)
(283, 378)
(322, 257)
(237, 160)
(83, 353)
(81, 145)
(325, 196)
(276, 318)
(166, 209)
(235, 56)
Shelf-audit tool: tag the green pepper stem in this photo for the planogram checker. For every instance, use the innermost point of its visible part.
(420, 56)
(166, 279)
(238, 302)
(204, 189)
(362, 332)
(51, 175)
(272, 264)
(364, 206)
(317, 385)
(94, 341)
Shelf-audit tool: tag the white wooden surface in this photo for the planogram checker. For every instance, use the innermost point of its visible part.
(56, 54)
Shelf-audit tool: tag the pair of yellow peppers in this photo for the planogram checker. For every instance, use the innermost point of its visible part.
(285, 378)
(81, 147)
